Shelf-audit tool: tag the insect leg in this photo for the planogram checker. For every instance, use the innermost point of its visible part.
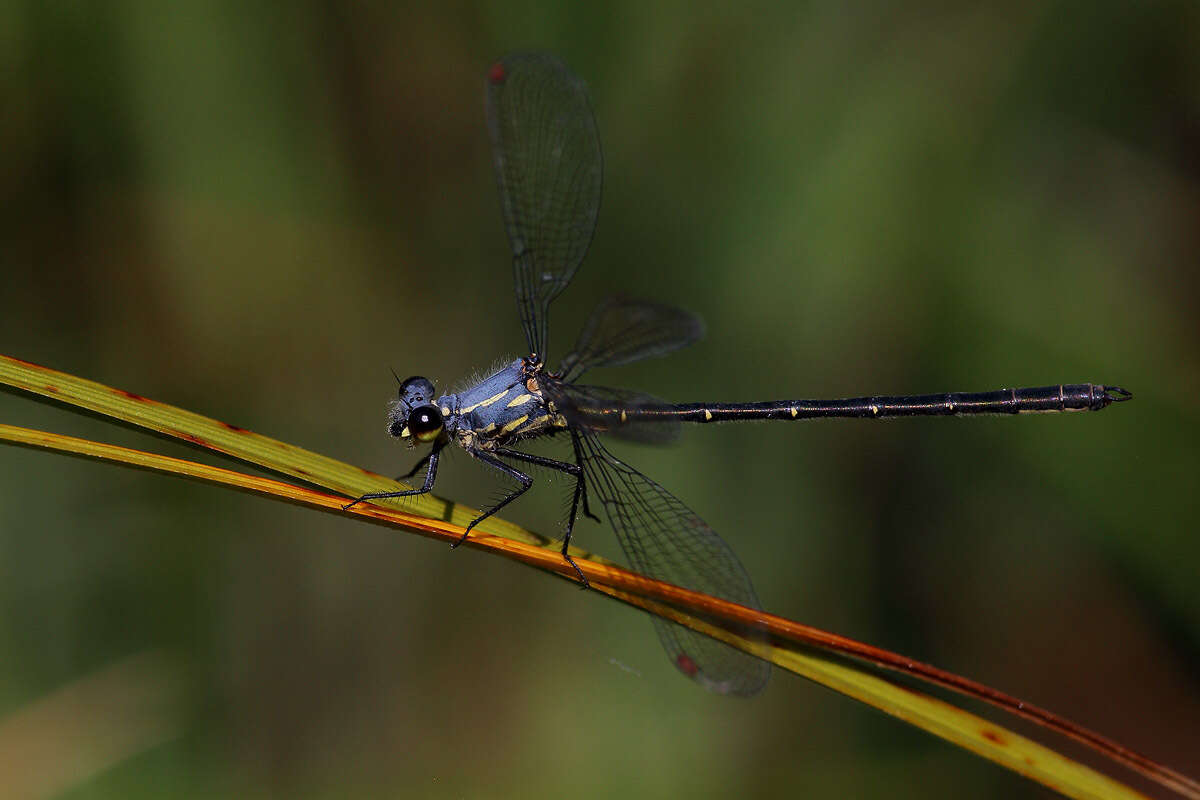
(430, 476)
(573, 470)
(420, 461)
(583, 489)
(515, 474)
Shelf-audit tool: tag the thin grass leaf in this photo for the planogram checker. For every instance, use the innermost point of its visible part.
(931, 714)
(814, 654)
(236, 442)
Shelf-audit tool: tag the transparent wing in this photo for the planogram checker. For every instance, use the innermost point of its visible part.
(622, 330)
(599, 409)
(665, 539)
(549, 169)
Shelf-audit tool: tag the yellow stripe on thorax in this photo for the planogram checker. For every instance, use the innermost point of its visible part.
(516, 423)
(483, 403)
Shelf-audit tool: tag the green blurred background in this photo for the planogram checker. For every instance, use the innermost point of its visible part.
(253, 210)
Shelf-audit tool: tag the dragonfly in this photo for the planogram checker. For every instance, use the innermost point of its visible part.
(548, 164)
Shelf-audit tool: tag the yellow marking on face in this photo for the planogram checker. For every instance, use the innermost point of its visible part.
(484, 403)
(519, 400)
(707, 415)
(516, 423)
(624, 416)
(795, 412)
(875, 410)
(445, 411)
(405, 433)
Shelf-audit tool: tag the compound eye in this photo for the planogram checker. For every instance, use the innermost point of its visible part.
(425, 423)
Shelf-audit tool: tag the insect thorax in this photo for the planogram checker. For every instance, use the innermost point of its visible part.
(503, 407)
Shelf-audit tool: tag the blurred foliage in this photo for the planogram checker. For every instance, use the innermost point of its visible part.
(253, 210)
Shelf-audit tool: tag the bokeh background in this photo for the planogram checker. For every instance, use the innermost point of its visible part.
(253, 210)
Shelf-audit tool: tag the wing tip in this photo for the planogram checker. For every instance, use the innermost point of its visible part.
(740, 686)
(497, 73)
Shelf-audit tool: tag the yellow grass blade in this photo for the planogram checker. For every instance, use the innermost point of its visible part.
(239, 443)
(813, 654)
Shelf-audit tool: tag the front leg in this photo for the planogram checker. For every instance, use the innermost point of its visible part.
(417, 466)
(430, 476)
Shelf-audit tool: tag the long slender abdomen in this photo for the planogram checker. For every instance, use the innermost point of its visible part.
(1043, 399)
